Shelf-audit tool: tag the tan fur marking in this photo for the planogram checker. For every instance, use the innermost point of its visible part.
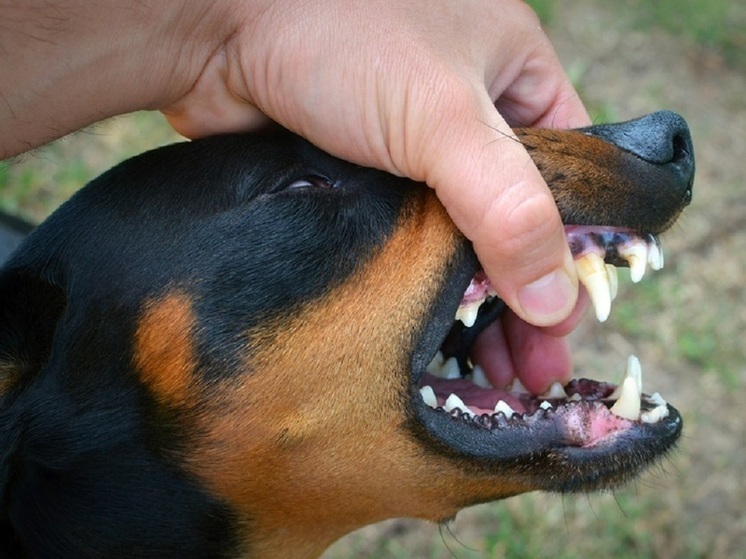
(308, 442)
(164, 351)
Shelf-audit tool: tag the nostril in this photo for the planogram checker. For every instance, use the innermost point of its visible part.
(682, 147)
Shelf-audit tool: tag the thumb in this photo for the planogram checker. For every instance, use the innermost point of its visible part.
(497, 198)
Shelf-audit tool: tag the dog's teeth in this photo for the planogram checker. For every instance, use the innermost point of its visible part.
(655, 256)
(545, 405)
(637, 258)
(628, 404)
(468, 313)
(593, 275)
(613, 276)
(436, 365)
(453, 402)
(654, 415)
(657, 399)
(451, 370)
(633, 371)
(516, 387)
(479, 378)
(428, 396)
(555, 392)
(503, 407)
(576, 397)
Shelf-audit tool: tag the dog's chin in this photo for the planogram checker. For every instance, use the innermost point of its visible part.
(471, 399)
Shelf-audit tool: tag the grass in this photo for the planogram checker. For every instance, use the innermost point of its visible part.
(34, 184)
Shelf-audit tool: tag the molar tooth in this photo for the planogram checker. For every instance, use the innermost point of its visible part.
(556, 392)
(593, 275)
(628, 404)
(479, 378)
(637, 258)
(503, 407)
(436, 365)
(654, 415)
(428, 396)
(451, 370)
(454, 402)
(468, 313)
(516, 387)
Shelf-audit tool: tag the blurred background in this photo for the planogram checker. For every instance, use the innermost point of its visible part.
(686, 323)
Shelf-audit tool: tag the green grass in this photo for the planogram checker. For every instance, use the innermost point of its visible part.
(34, 184)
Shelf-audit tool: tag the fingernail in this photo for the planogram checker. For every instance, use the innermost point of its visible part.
(548, 300)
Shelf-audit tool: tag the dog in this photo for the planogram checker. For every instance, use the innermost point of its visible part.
(237, 347)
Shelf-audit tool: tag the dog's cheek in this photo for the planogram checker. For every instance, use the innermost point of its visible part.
(313, 427)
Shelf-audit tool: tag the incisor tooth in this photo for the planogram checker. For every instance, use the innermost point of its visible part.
(628, 404)
(592, 274)
(654, 415)
(655, 256)
(503, 407)
(428, 396)
(468, 314)
(637, 258)
(545, 405)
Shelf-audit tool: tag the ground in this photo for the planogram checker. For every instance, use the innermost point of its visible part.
(686, 323)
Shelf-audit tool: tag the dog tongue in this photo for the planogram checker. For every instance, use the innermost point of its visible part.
(511, 348)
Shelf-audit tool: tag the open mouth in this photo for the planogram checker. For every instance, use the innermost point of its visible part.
(475, 402)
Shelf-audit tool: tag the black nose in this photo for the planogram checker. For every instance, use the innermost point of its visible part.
(661, 138)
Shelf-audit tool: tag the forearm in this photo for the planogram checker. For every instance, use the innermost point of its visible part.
(68, 63)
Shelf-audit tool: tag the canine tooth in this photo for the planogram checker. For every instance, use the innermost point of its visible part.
(593, 275)
(634, 370)
(454, 402)
(451, 370)
(556, 392)
(503, 407)
(637, 258)
(613, 275)
(628, 404)
(428, 396)
(654, 415)
(468, 314)
(479, 378)
(545, 405)
(436, 365)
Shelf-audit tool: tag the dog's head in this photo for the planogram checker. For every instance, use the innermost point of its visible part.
(230, 346)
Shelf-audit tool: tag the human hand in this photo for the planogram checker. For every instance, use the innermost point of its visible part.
(412, 88)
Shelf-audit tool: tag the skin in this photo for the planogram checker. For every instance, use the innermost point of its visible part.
(426, 89)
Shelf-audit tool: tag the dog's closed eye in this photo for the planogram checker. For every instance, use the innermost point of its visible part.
(312, 181)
